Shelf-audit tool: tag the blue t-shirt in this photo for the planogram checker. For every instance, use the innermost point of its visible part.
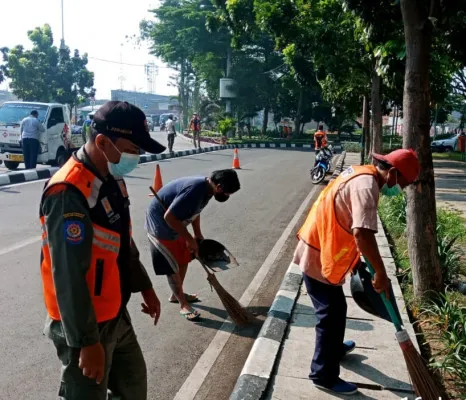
(184, 197)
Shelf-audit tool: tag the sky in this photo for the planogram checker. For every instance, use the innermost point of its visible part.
(96, 27)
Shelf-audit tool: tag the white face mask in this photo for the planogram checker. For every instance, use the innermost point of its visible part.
(128, 162)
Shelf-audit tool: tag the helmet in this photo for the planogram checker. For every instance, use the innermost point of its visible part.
(366, 297)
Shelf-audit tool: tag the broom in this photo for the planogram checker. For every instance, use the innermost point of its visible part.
(237, 313)
(423, 382)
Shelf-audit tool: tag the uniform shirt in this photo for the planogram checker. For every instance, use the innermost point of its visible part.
(70, 263)
(31, 128)
(185, 198)
(355, 207)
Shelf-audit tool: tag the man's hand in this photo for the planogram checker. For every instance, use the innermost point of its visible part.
(92, 362)
(199, 237)
(151, 305)
(381, 283)
(192, 245)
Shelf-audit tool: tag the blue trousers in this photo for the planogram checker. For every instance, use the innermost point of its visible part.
(330, 307)
(30, 152)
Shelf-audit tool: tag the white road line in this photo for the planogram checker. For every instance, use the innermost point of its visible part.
(19, 245)
(202, 368)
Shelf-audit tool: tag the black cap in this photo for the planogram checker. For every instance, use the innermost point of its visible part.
(124, 120)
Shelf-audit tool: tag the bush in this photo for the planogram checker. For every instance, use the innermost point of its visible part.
(351, 147)
(450, 233)
(227, 125)
(447, 316)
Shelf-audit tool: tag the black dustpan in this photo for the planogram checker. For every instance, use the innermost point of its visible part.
(216, 256)
(367, 298)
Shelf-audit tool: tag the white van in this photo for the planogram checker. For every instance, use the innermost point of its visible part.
(56, 143)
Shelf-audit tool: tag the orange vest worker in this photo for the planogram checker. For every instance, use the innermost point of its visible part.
(106, 298)
(320, 139)
(322, 231)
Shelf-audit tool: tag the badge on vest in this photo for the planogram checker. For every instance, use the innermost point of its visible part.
(123, 189)
(107, 207)
(74, 232)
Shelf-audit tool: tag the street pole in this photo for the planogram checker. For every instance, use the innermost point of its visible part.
(435, 122)
(228, 101)
(62, 43)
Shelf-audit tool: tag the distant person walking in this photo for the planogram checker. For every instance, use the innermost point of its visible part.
(171, 132)
(195, 127)
(30, 129)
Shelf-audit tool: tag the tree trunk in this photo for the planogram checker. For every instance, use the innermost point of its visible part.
(183, 92)
(421, 209)
(376, 144)
(366, 125)
(365, 130)
(265, 121)
(297, 120)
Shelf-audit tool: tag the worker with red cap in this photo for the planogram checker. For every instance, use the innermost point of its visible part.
(339, 227)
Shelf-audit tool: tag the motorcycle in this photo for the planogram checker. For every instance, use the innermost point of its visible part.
(322, 165)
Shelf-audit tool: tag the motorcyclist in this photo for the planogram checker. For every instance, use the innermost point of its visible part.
(320, 139)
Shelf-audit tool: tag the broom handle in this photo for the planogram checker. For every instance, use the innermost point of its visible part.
(388, 304)
(206, 268)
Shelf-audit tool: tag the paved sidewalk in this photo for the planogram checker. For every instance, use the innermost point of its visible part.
(278, 367)
(450, 184)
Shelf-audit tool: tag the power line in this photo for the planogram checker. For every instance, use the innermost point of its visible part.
(122, 63)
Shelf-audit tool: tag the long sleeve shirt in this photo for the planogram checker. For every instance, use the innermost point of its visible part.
(70, 264)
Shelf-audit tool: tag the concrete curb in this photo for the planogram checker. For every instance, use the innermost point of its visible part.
(11, 178)
(257, 371)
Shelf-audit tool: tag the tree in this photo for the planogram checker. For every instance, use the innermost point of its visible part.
(424, 24)
(45, 73)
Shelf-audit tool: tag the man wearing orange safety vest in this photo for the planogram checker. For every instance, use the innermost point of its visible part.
(320, 138)
(339, 227)
(90, 264)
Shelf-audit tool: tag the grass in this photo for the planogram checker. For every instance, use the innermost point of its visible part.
(441, 323)
(452, 155)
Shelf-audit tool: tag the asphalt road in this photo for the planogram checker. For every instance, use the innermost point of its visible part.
(161, 137)
(274, 184)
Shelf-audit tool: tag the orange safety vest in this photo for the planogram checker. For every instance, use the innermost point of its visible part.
(320, 139)
(323, 232)
(103, 276)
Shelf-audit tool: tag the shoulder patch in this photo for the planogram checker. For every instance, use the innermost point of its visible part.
(73, 232)
(347, 172)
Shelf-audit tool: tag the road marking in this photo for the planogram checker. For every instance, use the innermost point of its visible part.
(203, 366)
(19, 245)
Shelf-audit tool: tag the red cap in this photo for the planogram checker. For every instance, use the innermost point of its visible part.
(404, 160)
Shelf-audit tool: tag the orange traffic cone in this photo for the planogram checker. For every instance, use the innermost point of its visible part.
(235, 160)
(157, 185)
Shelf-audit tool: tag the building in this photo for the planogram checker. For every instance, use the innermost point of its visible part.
(5, 95)
(149, 103)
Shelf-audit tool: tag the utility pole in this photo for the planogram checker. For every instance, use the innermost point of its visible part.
(228, 101)
(62, 43)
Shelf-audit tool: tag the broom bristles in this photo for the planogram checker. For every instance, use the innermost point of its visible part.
(424, 383)
(237, 313)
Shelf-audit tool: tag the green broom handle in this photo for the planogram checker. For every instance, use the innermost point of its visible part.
(388, 304)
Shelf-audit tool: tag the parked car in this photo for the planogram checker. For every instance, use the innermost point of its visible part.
(449, 144)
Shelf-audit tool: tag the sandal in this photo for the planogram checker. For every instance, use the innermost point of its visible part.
(190, 298)
(192, 315)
